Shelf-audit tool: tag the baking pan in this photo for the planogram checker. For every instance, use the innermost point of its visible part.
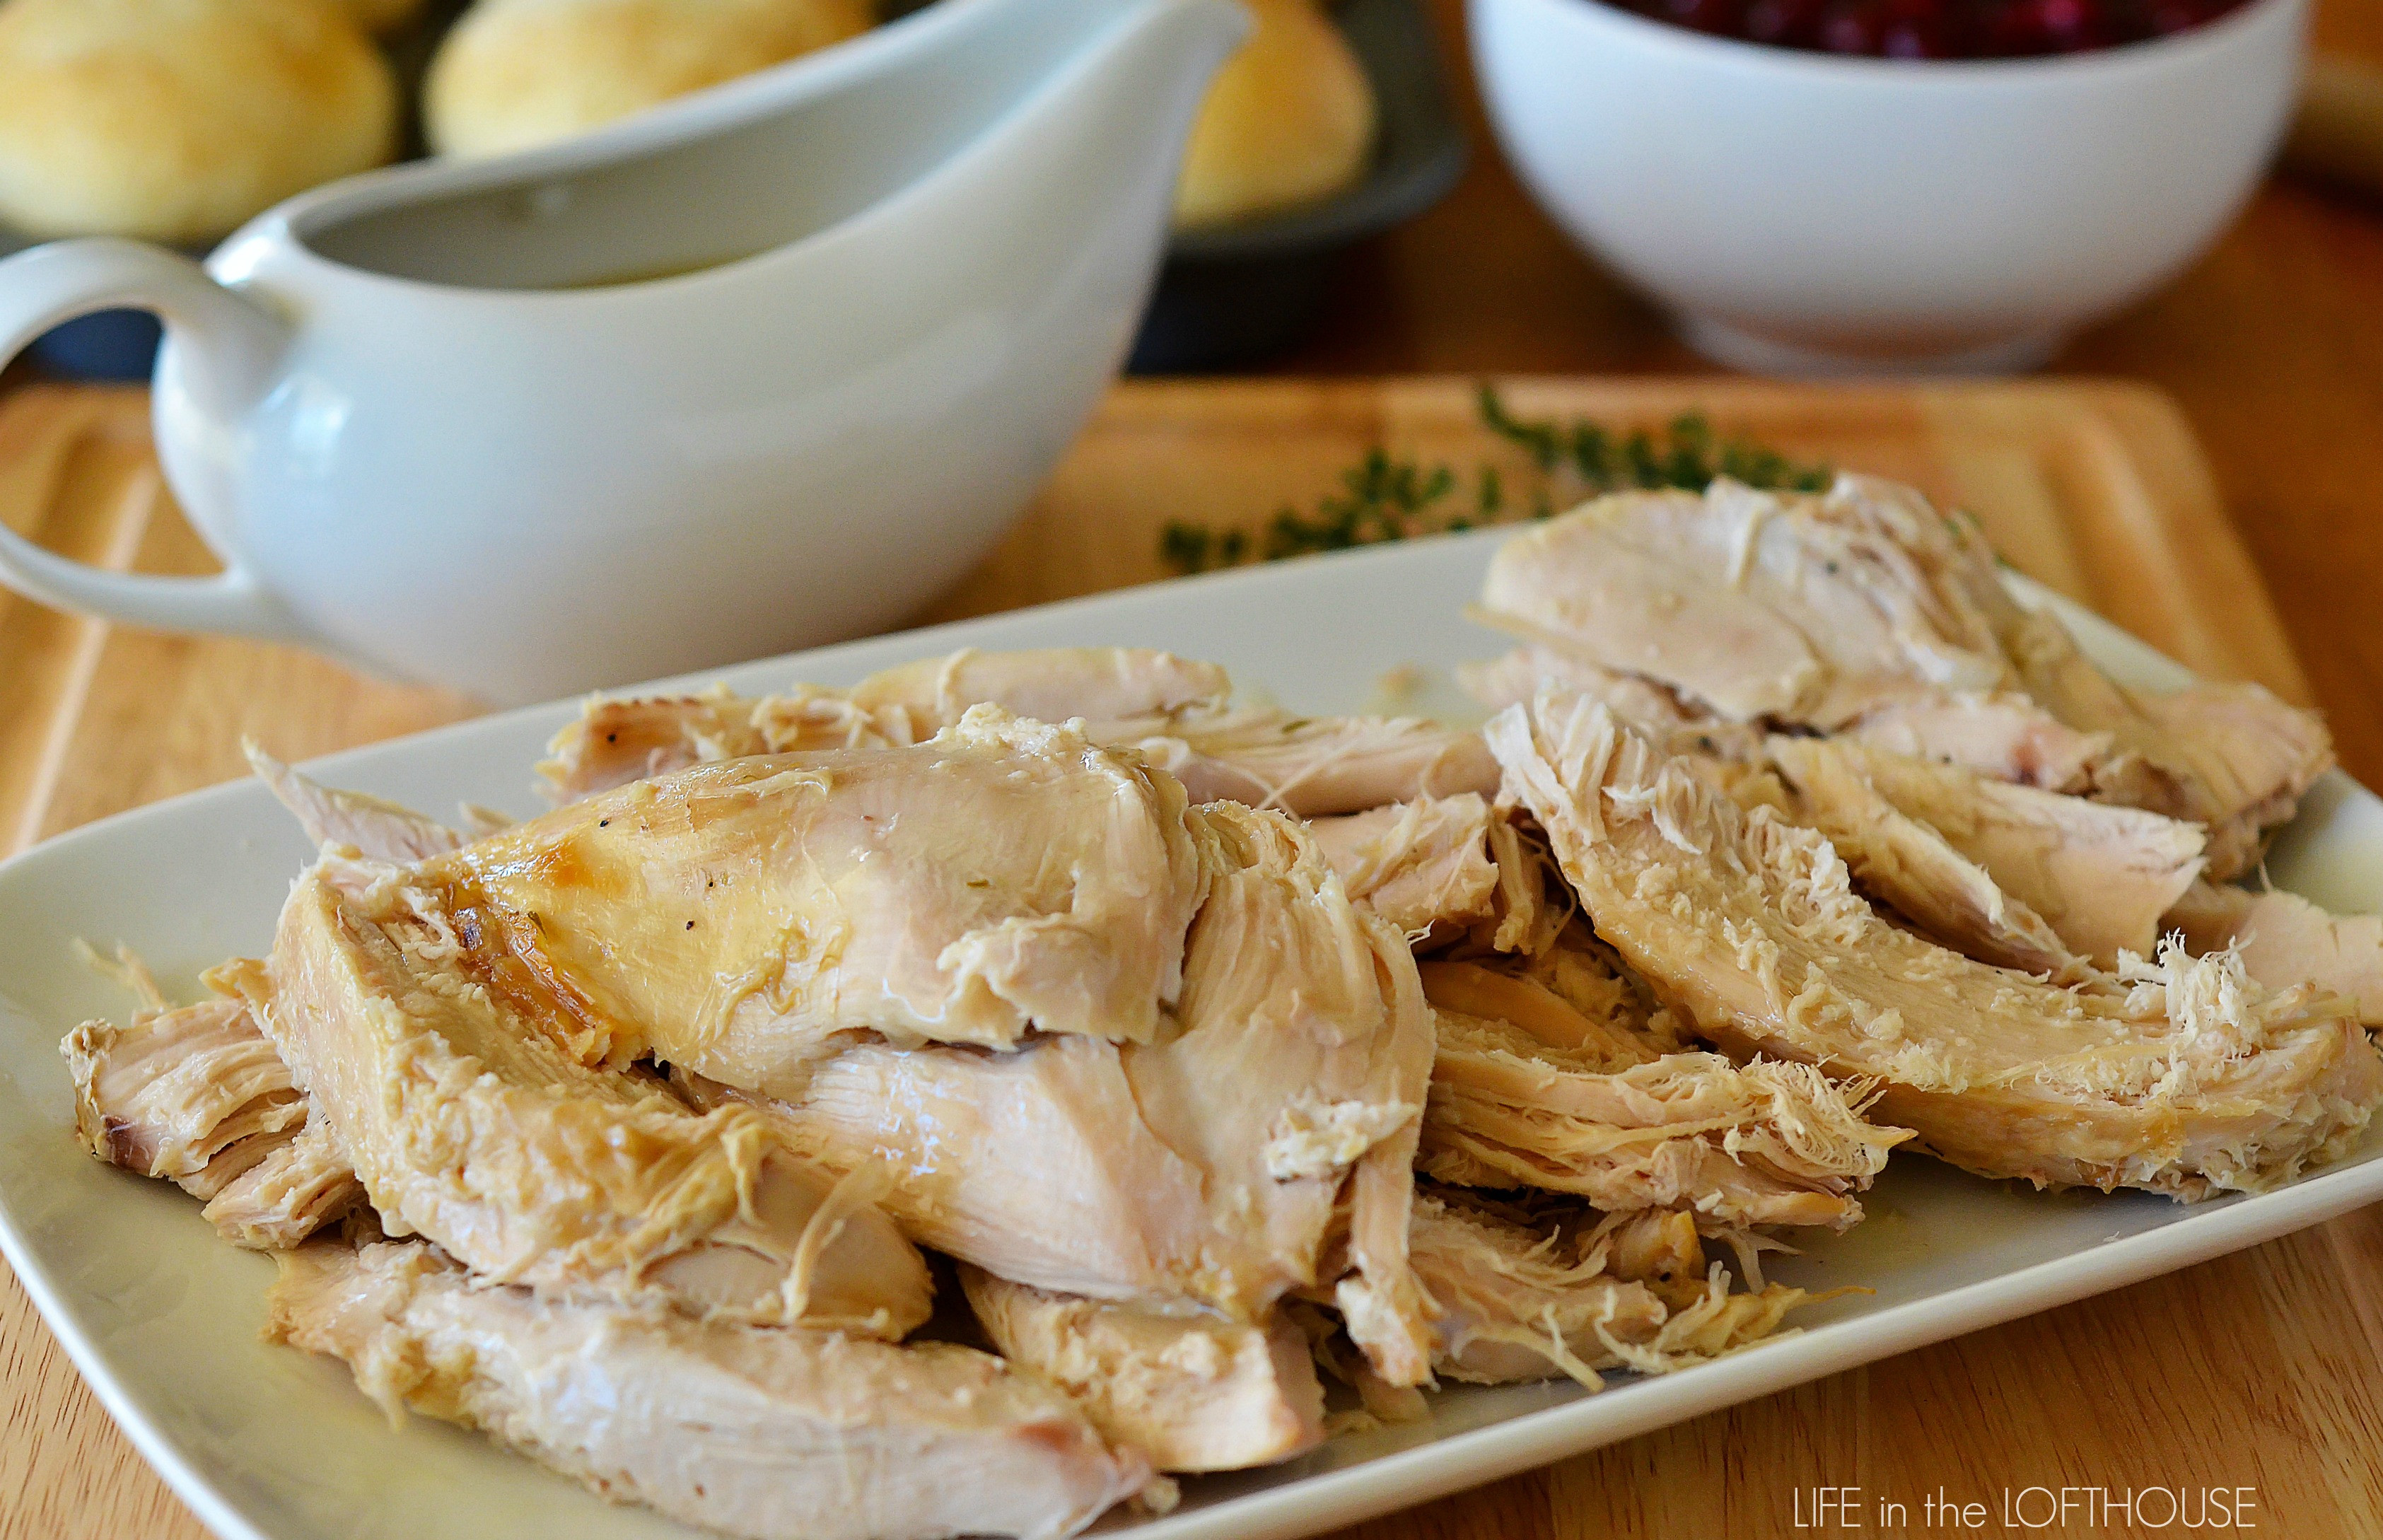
(1233, 295)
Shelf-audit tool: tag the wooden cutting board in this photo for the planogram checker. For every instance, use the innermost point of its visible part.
(2264, 1370)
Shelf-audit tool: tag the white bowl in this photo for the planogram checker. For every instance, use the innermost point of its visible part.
(1804, 212)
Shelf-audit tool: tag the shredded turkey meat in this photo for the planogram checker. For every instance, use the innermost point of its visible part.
(193, 1094)
(1654, 709)
(2181, 1075)
(303, 1186)
(1554, 1073)
(1907, 863)
(1515, 1305)
(369, 825)
(470, 1124)
(1763, 1144)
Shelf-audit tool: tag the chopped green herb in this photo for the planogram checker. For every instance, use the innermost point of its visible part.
(1384, 498)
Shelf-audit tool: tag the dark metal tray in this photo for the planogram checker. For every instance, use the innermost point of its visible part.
(1234, 295)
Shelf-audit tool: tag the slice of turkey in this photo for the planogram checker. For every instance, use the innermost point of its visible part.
(1765, 608)
(1172, 712)
(2182, 1075)
(738, 917)
(1864, 611)
(769, 1432)
(1188, 1391)
(470, 1122)
(1417, 864)
(2096, 877)
(2285, 940)
(303, 1186)
(1909, 866)
(192, 1094)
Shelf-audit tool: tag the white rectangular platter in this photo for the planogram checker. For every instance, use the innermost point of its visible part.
(162, 1318)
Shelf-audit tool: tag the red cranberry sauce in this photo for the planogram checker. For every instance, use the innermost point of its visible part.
(1937, 28)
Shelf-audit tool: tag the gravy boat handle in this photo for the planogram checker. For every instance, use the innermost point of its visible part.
(42, 287)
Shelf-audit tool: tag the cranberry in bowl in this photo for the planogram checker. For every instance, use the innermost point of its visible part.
(1890, 184)
(1938, 29)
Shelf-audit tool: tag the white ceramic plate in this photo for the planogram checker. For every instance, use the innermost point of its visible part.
(162, 1318)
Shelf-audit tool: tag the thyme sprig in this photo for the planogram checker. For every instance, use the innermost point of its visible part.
(1385, 497)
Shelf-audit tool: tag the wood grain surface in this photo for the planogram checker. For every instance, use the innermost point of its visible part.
(2262, 1370)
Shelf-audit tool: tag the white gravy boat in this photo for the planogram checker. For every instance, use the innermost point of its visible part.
(418, 438)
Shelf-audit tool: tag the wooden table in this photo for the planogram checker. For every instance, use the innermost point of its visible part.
(2263, 1370)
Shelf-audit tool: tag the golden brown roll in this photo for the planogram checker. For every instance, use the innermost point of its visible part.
(177, 120)
(1290, 119)
(515, 73)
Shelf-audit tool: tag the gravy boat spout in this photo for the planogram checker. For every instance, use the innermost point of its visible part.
(764, 367)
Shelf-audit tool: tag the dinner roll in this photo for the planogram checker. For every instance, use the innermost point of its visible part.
(177, 120)
(1289, 119)
(521, 72)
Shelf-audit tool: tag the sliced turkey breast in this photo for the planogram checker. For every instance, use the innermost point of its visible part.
(303, 1186)
(1188, 1391)
(194, 1095)
(1865, 612)
(1568, 1001)
(2182, 1075)
(615, 741)
(1907, 864)
(1133, 691)
(2000, 735)
(1449, 871)
(770, 1433)
(470, 1122)
(2098, 877)
(1101, 684)
(1314, 766)
(2228, 756)
(1417, 864)
(736, 917)
(368, 825)
(2285, 940)
(1653, 709)
(1172, 712)
(1764, 608)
